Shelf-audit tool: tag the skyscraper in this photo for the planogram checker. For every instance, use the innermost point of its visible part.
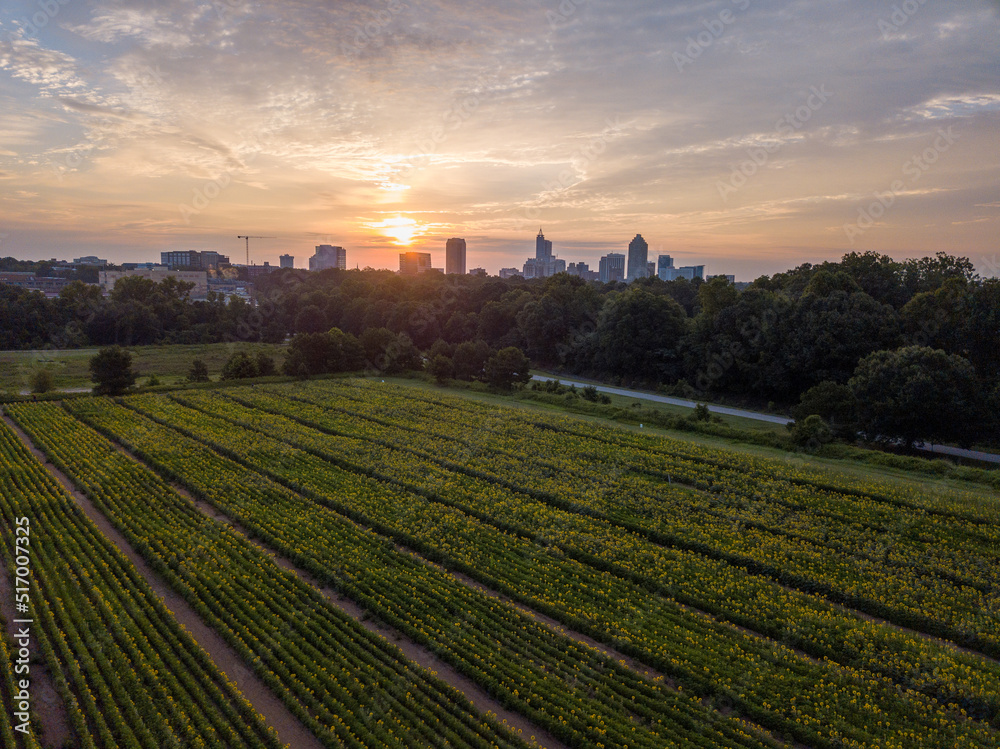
(543, 248)
(638, 253)
(328, 256)
(544, 264)
(612, 267)
(454, 263)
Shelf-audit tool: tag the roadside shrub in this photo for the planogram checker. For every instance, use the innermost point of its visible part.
(42, 381)
(198, 371)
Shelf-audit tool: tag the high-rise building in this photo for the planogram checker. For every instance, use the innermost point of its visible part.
(543, 248)
(612, 267)
(638, 253)
(544, 264)
(662, 263)
(412, 263)
(454, 263)
(328, 256)
(288, 261)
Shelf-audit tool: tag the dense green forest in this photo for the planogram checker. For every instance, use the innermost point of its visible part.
(775, 340)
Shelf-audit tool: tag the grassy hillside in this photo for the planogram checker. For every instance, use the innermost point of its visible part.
(170, 364)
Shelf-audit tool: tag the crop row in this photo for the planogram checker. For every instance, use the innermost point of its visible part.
(818, 702)
(129, 675)
(8, 692)
(350, 687)
(805, 621)
(579, 695)
(960, 547)
(959, 544)
(733, 518)
(663, 451)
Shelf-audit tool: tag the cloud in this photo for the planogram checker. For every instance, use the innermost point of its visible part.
(53, 72)
(487, 112)
(160, 25)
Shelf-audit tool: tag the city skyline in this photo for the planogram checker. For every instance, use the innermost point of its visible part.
(708, 127)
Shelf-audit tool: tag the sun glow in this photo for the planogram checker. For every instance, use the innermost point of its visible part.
(400, 228)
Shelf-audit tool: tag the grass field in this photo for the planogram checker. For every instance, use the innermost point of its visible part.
(170, 364)
(748, 599)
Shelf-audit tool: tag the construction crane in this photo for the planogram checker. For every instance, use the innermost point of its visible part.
(248, 238)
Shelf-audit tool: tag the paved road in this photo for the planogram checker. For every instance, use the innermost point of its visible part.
(672, 401)
(958, 452)
(938, 449)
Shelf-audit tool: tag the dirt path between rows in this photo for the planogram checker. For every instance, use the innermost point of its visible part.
(415, 652)
(45, 700)
(626, 661)
(424, 657)
(276, 714)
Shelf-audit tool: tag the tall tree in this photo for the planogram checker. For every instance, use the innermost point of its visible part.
(111, 371)
(638, 334)
(918, 393)
(508, 367)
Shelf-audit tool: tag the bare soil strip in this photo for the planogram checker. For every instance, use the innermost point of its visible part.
(416, 653)
(426, 657)
(413, 651)
(419, 654)
(626, 661)
(45, 700)
(276, 713)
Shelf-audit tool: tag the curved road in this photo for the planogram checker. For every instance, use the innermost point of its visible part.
(939, 449)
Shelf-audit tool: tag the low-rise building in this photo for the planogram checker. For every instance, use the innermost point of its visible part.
(108, 278)
(48, 285)
(256, 271)
(193, 259)
(543, 268)
(582, 270)
(690, 272)
(90, 260)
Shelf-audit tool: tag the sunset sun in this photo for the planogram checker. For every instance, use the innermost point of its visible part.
(403, 230)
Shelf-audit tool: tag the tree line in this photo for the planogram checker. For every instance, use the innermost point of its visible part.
(838, 334)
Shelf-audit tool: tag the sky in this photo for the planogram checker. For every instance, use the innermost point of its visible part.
(743, 135)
